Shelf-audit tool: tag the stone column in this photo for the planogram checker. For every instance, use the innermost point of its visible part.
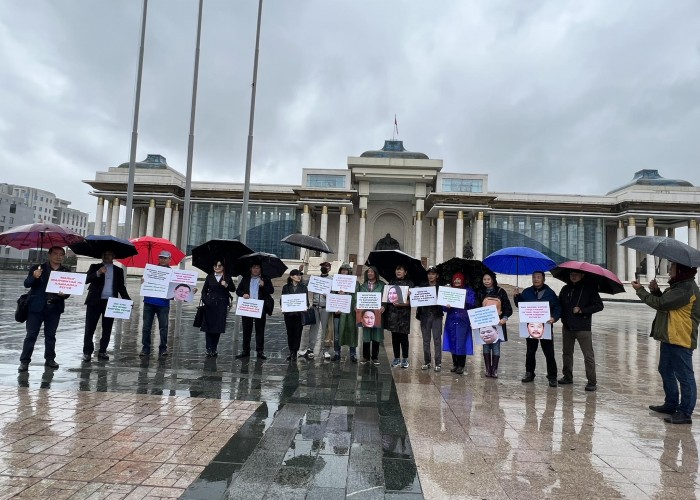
(323, 233)
(151, 221)
(99, 214)
(142, 223)
(167, 219)
(580, 243)
(342, 234)
(693, 233)
(433, 238)
(440, 243)
(135, 223)
(418, 247)
(564, 239)
(114, 226)
(631, 253)
(650, 271)
(175, 226)
(306, 220)
(478, 244)
(459, 234)
(621, 272)
(361, 238)
(108, 219)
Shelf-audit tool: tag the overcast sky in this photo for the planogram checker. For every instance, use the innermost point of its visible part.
(544, 96)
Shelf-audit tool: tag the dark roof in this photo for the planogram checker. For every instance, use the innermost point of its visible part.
(151, 161)
(394, 149)
(649, 177)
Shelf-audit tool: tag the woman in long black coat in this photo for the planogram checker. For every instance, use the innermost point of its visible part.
(216, 295)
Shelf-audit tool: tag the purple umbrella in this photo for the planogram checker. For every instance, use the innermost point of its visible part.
(39, 235)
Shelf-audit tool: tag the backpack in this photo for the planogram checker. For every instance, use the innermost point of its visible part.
(492, 301)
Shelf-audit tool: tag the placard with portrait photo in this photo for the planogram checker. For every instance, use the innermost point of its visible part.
(395, 294)
(489, 334)
(536, 330)
(369, 318)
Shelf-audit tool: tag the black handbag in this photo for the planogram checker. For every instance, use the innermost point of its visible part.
(268, 305)
(22, 311)
(308, 317)
(199, 315)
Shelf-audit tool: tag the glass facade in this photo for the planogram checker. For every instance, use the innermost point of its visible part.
(325, 181)
(459, 185)
(267, 225)
(560, 238)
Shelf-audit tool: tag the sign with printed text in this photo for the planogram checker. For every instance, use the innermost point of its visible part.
(184, 276)
(423, 296)
(252, 308)
(344, 283)
(368, 300)
(118, 308)
(489, 334)
(156, 281)
(294, 302)
(483, 316)
(537, 312)
(338, 303)
(68, 283)
(454, 297)
(320, 285)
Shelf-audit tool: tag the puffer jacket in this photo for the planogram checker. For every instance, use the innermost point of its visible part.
(584, 296)
(677, 313)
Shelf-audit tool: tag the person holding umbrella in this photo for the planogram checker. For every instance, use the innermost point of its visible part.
(44, 308)
(539, 292)
(676, 328)
(398, 317)
(216, 296)
(579, 302)
(106, 280)
(254, 286)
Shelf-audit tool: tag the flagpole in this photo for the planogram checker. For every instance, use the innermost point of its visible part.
(249, 150)
(185, 229)
(135, 129)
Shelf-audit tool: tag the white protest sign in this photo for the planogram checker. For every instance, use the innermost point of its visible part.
(368, 300)
(319, 285)
(249, 307)
(338, 303)
(483, 316)
(294, 302)
(118, 308)
(423, 296)
(534, 312)
(68, 283)
(156, 280)
(184, 276)
(454, 297)
(344, 283)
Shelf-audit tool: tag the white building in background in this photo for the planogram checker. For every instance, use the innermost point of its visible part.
(47, 207)
(434, 215)
(13, 212)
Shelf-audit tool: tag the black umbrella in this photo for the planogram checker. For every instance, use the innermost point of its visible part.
(307, 241)
(95, 245)
(386, 261)
(272, 266)
(665, 248)
(473, 271)
(207, 254)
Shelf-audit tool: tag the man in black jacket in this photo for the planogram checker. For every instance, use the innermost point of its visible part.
(579, 301)
(106, 280)
(44, 308)
(255, 286)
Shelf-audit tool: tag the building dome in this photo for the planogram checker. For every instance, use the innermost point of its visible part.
(151, 161)
(394, 149)
(649, 177)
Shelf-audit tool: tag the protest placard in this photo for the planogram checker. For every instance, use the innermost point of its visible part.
(369, 318)
(180, 292)
(68, 283)
(489, 334)
(294, 302)
(454, 297)
(156, 281)
(395, 294)
(344, 283)
(249, 307)
(535, 330)
(423, 296)
(184, 276)
(536, 312)
(368, 300)
(338, 303)
(483, 316)
(118, 308)
(320, 285)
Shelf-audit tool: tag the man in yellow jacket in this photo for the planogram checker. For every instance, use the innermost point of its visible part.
(676, 327)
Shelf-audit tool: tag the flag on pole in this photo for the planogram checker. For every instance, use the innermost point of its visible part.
(396, 125)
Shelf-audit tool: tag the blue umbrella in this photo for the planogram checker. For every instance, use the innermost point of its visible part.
(518, 260)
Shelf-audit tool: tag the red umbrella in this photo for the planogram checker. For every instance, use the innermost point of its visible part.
(606, 280)
(148, 249)
(39, 235)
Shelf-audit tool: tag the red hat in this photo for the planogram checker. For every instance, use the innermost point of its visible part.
(458, 275)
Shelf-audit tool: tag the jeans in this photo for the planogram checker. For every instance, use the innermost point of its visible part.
(92, 317)
(431, 328)
(494, 348)
(585, 341)
(547, 349)
(149, 312)
(676, 368)
(50, 320)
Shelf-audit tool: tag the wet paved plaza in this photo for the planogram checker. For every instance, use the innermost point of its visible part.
(192, 427)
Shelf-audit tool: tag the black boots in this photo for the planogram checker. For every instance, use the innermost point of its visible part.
(487, 364)
(494, 366)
